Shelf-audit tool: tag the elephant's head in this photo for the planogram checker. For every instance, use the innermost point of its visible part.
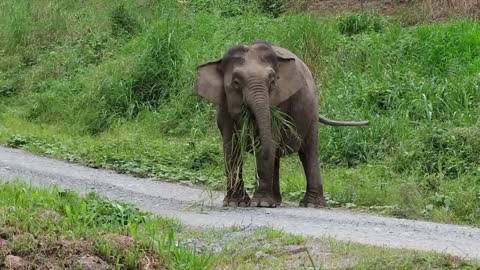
(257, 77)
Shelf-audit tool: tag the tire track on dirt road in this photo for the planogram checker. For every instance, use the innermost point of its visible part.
(197, 207)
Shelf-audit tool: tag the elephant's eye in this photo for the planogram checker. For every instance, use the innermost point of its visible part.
(236, 83)
(272, 79)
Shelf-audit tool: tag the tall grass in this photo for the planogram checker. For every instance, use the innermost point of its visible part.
(70, 67)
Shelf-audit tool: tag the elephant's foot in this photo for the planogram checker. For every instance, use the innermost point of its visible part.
(313, 201)
(278, 199)
(263, 200)
(237, 199)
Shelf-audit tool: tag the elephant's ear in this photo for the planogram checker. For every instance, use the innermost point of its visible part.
(209, 82)
(290, 79)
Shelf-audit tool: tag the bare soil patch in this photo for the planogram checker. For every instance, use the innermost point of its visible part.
(410, 12)
(333, 7)
(20, 251)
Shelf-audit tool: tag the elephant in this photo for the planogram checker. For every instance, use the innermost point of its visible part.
(259, 76)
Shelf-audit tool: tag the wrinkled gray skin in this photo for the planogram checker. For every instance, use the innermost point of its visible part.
(259, 76)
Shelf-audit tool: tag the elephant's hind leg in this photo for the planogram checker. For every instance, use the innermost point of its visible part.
(309, 156)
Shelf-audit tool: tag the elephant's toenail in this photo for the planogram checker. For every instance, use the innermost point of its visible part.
(310, 205)
(253, 204)
(242, 204)
(264, 204)
(233, 204)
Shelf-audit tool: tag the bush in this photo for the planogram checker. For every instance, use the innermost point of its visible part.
(154, 81)
(122, 21)
(96, 211)
(233, 8)
(359, 23)
(224, 8)
(8, 89)
(273, 7)
(448, 152)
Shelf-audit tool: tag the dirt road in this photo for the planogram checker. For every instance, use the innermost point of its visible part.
(196, 207)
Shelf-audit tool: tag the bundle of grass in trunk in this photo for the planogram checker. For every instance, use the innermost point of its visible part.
(245, 140)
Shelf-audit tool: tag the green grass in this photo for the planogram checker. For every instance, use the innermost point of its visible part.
(54, 227)
(109, 84)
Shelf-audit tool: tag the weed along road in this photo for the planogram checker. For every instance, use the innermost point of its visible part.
(201, 208)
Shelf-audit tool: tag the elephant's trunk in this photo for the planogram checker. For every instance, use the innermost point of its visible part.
(259, 104)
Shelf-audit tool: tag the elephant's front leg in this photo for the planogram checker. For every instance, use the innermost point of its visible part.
(277, 195)
(263, 196)
(236, 194)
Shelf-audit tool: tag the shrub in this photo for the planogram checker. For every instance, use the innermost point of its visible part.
(155, 80)
(122, 21)
(96, 211)
(224, 8)
(273, 7)
(359, 23)
(450, 152)
(17, 141)
(7, 89)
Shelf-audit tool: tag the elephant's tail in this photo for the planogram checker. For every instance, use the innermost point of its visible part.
(326, 121)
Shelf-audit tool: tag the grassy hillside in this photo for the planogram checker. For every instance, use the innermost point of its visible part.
(109, 83)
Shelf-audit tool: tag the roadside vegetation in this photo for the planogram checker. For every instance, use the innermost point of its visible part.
(109, 84)
(59, 229)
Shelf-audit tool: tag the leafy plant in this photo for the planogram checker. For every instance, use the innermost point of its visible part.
(17, 141)
(154, 82)
(182, 258)
(359, 23)
(7, 90)
(122, 21)
(95, 211)
(273, 7)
